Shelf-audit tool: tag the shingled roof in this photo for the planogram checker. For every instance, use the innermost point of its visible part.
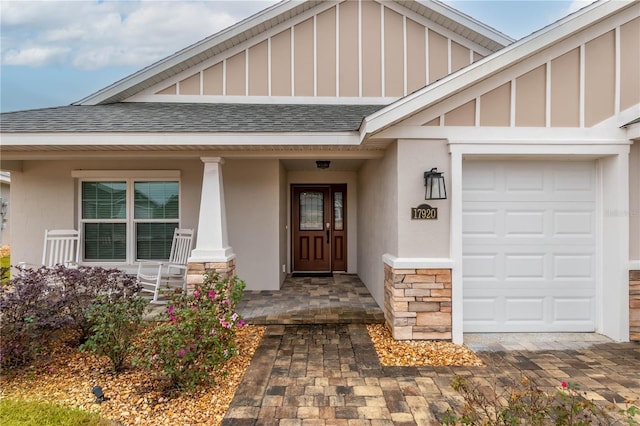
(182, 117)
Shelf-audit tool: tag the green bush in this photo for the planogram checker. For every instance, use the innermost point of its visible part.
(115, 324)
(525, 404)
(198, 334)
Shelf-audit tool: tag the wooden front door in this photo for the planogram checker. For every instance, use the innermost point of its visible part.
(319, 228)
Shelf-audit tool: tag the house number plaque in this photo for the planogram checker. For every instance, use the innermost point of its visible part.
(424, 212)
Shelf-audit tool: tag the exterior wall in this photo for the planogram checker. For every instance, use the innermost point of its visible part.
(634, 241)
(284, 215)
(417, 303)
(378, 219)
(421, 238)
(577, 82)
(634, 202)
(47, 190)
(359, 48)
(252, 199)
(327, 176)
(5, 195)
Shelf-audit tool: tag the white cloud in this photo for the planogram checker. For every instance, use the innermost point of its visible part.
(92, 35)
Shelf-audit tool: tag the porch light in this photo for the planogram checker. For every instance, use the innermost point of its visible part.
(323, 164)
(434, 185)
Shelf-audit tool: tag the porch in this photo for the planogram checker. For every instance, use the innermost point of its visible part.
(340, 299)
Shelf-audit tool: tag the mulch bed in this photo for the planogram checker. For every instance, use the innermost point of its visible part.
(66, 377)
(419, 352)
(136, 397)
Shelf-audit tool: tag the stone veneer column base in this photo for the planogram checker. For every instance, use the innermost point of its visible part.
(417, 303)
(196, 271)
(634, 305)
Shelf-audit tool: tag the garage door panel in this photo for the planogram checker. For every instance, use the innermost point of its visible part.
(574, 223)
(481, 223)
(525, 266)
(574, 309)
(528, 246)
(573, 266)
(529, 309)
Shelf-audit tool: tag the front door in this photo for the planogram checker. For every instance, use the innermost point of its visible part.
(319, 228)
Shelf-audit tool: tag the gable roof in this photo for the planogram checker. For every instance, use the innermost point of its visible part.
(188, 118)
(434, 10)
(470, 75)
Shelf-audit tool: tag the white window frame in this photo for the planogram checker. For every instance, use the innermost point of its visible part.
(130, 177)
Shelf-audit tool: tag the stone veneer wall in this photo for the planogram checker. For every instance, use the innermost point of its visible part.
(196, 271)
(417, 303)
(634, 305)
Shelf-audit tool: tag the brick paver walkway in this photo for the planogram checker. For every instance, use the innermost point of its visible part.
(330, 375)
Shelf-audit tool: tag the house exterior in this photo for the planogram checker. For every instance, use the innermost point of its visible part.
(537, 140)
(5, 191)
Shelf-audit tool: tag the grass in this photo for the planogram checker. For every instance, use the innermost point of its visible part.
(27, 413)
(5, 263)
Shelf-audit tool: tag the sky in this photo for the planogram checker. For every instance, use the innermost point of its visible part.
(54, 52)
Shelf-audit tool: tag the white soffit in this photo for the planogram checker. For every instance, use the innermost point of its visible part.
(482, 69)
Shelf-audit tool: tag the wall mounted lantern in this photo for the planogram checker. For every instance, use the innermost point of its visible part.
(323, 164)
(434, 185)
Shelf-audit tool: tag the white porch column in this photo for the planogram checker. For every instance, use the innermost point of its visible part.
(212, 244)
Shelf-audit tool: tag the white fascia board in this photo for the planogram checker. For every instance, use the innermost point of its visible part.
(485, 67)
(179, 139)
(296, 153)
(468, 21)
(633, 131)
(188, 52)
(634, 265)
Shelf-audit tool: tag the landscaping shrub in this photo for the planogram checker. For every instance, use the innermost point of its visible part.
(83, 285)
(115, 324)
(525, 404)
(30, 312)
(36, 303)
(198, 334)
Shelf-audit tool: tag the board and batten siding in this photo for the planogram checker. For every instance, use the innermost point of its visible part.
(579, 87)
(357, 48)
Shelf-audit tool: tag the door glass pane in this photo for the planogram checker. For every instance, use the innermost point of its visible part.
(156, 200)
(104, 200)
(338, 223)
(311, 211)
(105, 241)
(153, 240)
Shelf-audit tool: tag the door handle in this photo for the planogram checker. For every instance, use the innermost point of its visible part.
(328, 236)
(328, 231)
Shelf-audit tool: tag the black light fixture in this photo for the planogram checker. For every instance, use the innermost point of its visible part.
(323, 164)
(434, 185)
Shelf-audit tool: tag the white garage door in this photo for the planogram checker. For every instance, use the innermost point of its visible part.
(528, 246)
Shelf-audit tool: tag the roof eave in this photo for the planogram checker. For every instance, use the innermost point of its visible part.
(470, 75)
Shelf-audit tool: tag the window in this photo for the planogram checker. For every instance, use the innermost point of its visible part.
(125, 220)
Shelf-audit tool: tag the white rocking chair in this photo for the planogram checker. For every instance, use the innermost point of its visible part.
(156, 276)
(61, 247)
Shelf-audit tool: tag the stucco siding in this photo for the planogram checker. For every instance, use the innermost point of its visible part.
(421, 238)
(634, 202)
(47, 190)
(378, 219)
(252, 189)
